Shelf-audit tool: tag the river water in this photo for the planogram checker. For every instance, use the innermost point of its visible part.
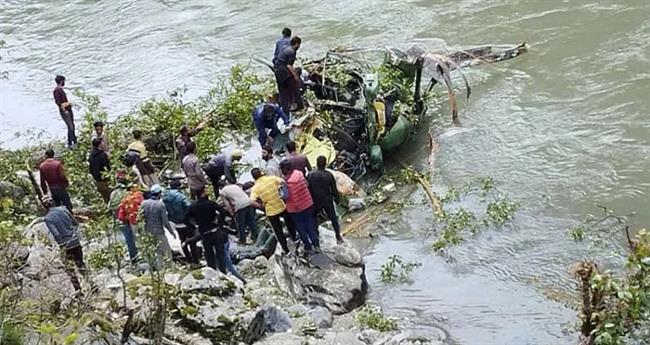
(561, 128)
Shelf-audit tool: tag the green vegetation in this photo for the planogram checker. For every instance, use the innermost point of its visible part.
(458, 223)
(371, 317)
(616, 305)
(397, 269)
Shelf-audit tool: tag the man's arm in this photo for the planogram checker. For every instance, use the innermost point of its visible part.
(54, 231)
(227, 171)
(165, 221)
(293, 72)
(282, 115)
(64, 177)
(333, 189)
(259, 125)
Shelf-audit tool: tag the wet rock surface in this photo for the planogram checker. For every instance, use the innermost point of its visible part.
(334, 279)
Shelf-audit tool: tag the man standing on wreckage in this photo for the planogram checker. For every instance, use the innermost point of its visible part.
(286, 76)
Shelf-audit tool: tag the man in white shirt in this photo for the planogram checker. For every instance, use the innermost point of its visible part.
(239, 205)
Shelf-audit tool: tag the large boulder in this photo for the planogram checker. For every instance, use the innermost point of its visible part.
(11, 191)
(334, 279)
(211, 304)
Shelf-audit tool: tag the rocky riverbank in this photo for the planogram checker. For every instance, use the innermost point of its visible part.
(287, 300)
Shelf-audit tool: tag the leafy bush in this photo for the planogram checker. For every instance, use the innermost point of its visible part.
(371, 317)
(397, 269)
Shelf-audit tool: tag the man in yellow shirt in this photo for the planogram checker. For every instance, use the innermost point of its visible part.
(266, 194)
(145, 167)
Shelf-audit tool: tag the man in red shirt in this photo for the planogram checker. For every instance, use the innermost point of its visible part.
(65, 109)
(300, 207)
(53, 178)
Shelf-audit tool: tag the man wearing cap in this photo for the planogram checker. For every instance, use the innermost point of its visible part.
(154, 214)
(192, 169)
(185, 137)
(265, 117)
(221, 165)
(53, 177)
(62, 226)
(178, 205)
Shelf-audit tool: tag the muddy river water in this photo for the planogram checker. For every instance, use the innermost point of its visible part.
(560, 129)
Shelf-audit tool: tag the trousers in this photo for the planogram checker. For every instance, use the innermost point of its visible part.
(246, 219)
(214, 246)
(304, 222)
(129, 238)
(74, 257)
(331, 215)
(60, 197)
(68, 119)
(276, 224)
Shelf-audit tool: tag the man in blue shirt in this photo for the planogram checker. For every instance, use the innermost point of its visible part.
(265, 116)
(281, 43)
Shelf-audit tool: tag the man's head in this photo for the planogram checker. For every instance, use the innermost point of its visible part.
(286, 32)
(291, 147)
(272, 98)
(49, 153)
(268, 113)
(99, 127)
(321, 162)
(201, 193)
(236, 154)
(190, 147)
(121, 178)
(137, 134)
(295, 42)
(47, 201)
(155, 191)
(256, 173)
(96, 142)
(175, 184)
(184, 130)
(267, 153)
(59, 80)
(285, 167)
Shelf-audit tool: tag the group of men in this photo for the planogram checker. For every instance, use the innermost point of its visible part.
(288, 192)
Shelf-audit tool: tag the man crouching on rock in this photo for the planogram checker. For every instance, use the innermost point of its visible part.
(62, 226)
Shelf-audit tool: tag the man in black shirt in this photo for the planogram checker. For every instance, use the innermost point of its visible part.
(99, 165)
(322, 186)
(285, 75)
(213, 236)
(204, 212)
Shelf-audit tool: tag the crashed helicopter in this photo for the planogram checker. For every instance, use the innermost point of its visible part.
(362, 112)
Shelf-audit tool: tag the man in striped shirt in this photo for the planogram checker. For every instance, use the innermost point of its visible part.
(300, 207)
(266, 194)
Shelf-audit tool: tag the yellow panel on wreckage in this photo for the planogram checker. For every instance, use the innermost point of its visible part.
(311, 146)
